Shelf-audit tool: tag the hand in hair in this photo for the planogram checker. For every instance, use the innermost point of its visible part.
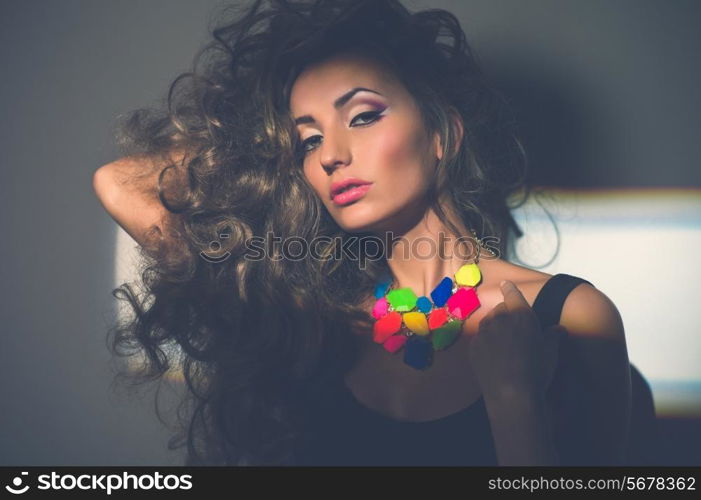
(128, 190)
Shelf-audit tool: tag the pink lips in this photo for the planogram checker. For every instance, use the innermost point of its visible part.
(349, 190)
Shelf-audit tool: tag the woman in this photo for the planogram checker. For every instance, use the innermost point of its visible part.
(365, 137)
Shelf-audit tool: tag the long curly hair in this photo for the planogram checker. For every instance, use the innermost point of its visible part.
(259, 340)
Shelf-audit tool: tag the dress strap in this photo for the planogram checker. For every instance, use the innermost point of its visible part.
(548, 304)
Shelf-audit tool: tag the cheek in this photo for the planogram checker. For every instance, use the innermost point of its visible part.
(397, 150)
(388, 148)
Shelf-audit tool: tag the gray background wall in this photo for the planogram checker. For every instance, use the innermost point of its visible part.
(612, 85)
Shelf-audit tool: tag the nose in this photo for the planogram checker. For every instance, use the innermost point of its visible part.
(334, 153)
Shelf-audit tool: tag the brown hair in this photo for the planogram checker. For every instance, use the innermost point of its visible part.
(258, 340)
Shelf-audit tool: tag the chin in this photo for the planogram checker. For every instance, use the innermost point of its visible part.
(354, 226)
(357, 222)
(356, 218)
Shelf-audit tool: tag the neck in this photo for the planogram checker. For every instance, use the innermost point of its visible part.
(422, 255)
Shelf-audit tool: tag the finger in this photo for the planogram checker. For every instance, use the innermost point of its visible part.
(497, 309)
(513, 298)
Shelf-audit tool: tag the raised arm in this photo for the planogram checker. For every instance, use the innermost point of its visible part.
(128, 190)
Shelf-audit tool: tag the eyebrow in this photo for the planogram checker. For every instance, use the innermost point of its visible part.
(336, 104)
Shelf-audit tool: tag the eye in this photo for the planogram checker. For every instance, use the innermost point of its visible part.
(367, 117)
(371, 114)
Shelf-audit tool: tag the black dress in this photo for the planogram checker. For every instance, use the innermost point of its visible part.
(347, 433)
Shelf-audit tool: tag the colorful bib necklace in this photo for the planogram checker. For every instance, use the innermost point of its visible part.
(424, 325)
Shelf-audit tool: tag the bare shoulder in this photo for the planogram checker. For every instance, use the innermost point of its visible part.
(589, 312)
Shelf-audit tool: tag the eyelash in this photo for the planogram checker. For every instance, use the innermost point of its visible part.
(376, 115)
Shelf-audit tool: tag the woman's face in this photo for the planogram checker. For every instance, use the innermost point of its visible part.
(375, 136)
